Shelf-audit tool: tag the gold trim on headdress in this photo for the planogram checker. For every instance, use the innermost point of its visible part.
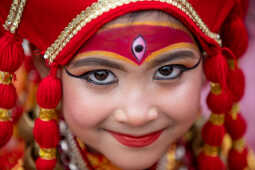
(102, 6)
(15, 14)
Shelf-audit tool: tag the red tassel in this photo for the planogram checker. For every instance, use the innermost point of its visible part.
(235, 127)
(237, 160)
(6, 129)
(235, 35)
(220, 103)
(11, 53)
(17, 112)
(49, 92)
(236, 83)
(207, 162)
(216, 68)
(213, 134)
(8, 96)
(46, 133)
(42, 164)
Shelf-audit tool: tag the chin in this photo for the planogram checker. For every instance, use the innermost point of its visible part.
(134, 164)
(135, 159)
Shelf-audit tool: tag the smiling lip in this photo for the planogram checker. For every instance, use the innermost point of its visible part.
(136, 141)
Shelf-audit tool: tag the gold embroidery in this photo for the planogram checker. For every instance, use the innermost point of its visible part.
(4, 115)
(234, 111)
(211, 150)
(217, 119)
(15, 14)
(5, 78)
(47, 114)
(48, 154)
(239, 144)
(102, 6)
(215, 88)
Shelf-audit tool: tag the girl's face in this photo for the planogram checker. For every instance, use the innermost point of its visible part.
(133, 89)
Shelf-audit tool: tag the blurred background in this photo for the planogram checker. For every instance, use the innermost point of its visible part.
(247, 63)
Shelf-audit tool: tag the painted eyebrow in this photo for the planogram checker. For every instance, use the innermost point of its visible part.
(103, 62)
(96, 62)
(172, 56)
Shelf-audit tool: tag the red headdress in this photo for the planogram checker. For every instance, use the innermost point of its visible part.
(59, 28)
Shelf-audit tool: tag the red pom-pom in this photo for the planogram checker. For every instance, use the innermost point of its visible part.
(235, 36)
(206, 162)
(237, 160)
(11, 53)
(6, 129)
(213, 134)
(8, 96)
(220, 103)
(216, 68)
(236, 128)
(17, 112)
(236, 83)
(46, 133)
(49, 92)
(42, 164)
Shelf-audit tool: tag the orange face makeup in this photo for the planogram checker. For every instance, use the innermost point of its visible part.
(136, 43)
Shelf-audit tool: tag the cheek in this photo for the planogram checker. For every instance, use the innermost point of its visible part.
(182, 102)
(81, 107)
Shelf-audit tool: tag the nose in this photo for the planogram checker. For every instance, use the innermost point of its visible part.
(137, 109)
(136, 117)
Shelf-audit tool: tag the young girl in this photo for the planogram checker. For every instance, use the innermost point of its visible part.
(124, 83)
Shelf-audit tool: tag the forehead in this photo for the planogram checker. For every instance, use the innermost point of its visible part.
(155, 32)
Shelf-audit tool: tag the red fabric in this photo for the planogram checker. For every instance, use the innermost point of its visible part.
(8, 96)
(42, 164)
(207, 162)
(216, 67)
(213, 134)
(11, 53)
(220, 103)
(6, 129)
(235, 35)
(49, 92)
(55, 15)
(46, 133)
(235, 127)
(237, 160)
(236, 83)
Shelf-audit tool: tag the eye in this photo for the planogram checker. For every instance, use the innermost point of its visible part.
(100, 77)
(97, 77)
(169, 72)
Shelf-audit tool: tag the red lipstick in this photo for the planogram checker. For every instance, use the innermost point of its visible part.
(136, 141)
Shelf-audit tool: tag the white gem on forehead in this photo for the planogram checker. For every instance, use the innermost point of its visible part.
(139, 48)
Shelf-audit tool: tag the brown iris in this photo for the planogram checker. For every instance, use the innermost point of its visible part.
(165, 71)
(101, 75)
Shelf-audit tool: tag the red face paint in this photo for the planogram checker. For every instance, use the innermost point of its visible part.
(136, 42)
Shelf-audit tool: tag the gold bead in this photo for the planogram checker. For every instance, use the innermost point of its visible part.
(239, 144)
(5, 78)
(210, 150)
(217, 119)
(47, 114)
(4, 115)
(215, 88)
(48, 154)
(234, 111)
